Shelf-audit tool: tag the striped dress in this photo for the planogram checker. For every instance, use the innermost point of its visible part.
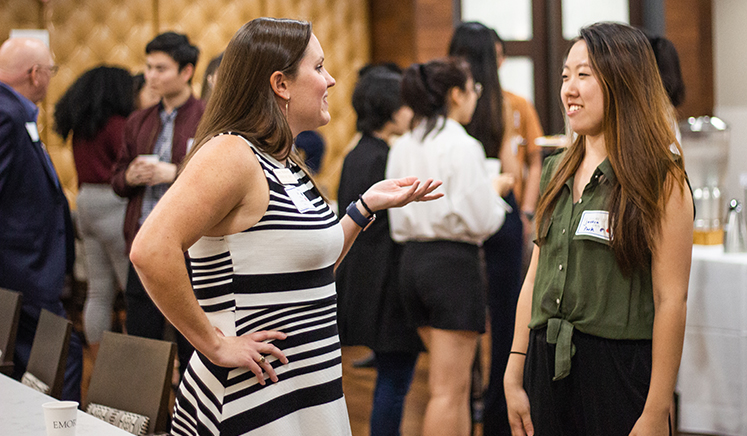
(276, 275)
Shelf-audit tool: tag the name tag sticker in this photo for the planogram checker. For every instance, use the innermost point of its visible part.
(33, 131)
(285, 176)
(299, 199)
(595, 223)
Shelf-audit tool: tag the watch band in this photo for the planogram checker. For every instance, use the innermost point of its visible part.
(357, 217)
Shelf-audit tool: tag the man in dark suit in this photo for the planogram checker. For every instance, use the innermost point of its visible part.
(36, 235)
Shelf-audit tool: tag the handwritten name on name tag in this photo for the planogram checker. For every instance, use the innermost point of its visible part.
(299, 199)
(595, 223)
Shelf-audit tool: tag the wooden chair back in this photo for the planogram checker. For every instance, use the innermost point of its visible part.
(133, 374)
(10, 312)
(49, 351)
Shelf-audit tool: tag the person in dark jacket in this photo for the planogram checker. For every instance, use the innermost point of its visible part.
(369, 309)
(156, 139)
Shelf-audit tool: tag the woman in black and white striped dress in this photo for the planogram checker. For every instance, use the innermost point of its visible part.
(263, 245)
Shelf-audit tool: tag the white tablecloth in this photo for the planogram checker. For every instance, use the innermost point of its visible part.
(713, 374)
(21, 413)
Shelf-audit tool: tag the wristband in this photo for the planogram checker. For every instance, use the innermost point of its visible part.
(358, 218)
(365, 206)
(529, 215)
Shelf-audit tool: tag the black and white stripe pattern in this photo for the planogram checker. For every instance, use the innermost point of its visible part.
(277, 275)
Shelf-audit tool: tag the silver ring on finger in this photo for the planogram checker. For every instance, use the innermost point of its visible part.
(261, 360)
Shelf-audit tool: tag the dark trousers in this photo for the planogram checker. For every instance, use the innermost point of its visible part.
(393, 379)
(604, 394)
(73, 368)
(145, 320)
(503, 258)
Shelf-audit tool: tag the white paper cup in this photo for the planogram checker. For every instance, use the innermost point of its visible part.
(61, 417)
(152, 158)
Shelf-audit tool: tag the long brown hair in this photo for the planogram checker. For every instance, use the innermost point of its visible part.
(637, 127)
(243, 100)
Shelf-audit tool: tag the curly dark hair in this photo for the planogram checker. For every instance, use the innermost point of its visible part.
(96, 96)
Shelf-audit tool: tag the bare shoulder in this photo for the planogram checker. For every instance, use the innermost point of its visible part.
(226, 153)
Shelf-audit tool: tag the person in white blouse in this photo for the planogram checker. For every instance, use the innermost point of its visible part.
(440, 270)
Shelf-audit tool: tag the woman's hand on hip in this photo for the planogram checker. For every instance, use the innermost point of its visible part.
(252, 351)
(399, 192)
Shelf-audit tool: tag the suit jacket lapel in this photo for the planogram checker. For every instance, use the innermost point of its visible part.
(46, 161)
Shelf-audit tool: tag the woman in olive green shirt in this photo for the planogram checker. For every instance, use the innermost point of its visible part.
(605, 295)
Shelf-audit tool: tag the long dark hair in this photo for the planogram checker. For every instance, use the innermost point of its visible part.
(425, 88)
(96, 96)
(669, 67)
(475, 43)
(637, 127)
(243, 100)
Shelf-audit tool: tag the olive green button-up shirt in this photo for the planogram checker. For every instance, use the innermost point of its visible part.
(578, 284)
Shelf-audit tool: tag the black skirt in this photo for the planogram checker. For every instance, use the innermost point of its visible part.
(604, 393)
(443, 285)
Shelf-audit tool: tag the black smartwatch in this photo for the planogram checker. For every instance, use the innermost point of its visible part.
(358, 218)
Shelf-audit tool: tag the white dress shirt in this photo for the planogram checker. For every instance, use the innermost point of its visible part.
(470, 210)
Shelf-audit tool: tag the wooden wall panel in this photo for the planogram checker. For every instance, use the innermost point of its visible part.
(392, 31)
(689, 26)
(434, 25)
(407, 31)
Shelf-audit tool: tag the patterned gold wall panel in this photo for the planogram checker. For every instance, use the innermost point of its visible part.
(210, 24)
(18, 15)
(342, 28)
(85, 33)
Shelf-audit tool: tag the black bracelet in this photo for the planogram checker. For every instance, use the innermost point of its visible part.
(517, 352)
(365, 206)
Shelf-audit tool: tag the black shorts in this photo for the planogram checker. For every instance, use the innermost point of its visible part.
(442, 285)
(604, 394)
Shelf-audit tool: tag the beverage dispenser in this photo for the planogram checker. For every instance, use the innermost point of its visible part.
(705, 144)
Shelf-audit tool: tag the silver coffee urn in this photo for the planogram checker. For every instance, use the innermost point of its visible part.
(705, 144)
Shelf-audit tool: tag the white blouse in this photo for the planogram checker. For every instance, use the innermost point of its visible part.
(470, 210)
